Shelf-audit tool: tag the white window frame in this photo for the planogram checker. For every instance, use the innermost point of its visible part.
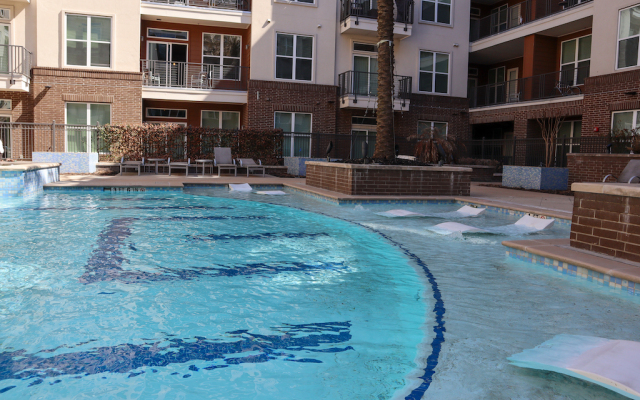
(297, 3)
(634, 121)
(433, 78)
(220, 73)
(437, 2)
(88, 104)
(146, 112)
(219, 117)
(433, 123)
(495, 23)
(294, 57)
(88, 41)
(618, 40)
(168, 30)
(576, 61)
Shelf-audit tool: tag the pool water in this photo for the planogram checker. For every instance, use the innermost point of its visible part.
(223, 295)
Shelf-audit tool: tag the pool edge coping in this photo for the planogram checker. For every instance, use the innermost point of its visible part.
(556, 254)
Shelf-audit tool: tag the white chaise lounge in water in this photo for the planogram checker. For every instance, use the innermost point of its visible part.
(525, 225)
(464, 212)
(240, 187)
(613, 364)
(272, 192)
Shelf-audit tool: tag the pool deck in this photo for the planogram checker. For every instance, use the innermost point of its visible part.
(555, 252)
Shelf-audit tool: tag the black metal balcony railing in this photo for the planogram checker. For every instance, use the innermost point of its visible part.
(362, 9)
(365, 84)
(241, 5)
(183, 75)
(518, 14)
(567, 82)
(15, 61)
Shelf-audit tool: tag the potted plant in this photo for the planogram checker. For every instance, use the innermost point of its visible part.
(543, 177)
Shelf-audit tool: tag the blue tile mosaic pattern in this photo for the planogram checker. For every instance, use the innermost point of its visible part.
(79, 163)
(26, 183)
(535, 178)
(575, 271)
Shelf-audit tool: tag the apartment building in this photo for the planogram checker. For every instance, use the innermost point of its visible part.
(575, 58)
(305, 66)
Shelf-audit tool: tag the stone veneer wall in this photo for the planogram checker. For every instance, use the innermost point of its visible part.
(399, 181)
(594, 167)
(607, 224)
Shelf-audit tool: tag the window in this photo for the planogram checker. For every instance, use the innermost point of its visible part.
(221, 119)
(628, 37)
(475, 12)
(625, 121)
(575, 60)
(88, 41)
(434, 72)
(496, 82)
(81, 138)
(436, 11)
(294, 57)
(439, 129)
(364, 121)
(297, 139)
(368, 47)
(499, 18)
(222, 53)
(166, 113)
(167, 34)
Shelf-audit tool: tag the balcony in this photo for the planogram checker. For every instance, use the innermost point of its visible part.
(357, 17)
(182, 81)
(15, 68)
(519, 14)
(226, 13)
(360, 90)
(560, 84)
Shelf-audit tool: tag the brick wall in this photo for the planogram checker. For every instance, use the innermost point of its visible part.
(122, 90)
(607, 224)
(605, 94)
(594, 167)
(389, 181)
(267, 97)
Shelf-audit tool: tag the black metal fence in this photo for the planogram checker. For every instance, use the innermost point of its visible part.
(365, 84)
(403, 11)
(546, 86)
(505, 18)
(532, 152)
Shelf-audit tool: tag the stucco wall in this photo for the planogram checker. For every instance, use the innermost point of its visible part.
(50, 22)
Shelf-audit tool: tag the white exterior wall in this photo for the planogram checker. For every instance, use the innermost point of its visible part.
(604, 46)
(318, 20)
(20, 35)
(125, 31)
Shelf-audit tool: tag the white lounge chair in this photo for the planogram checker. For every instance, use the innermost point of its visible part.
(251, 165)
(630, 172)
(179, 165)
(223, 160)
(137, 165)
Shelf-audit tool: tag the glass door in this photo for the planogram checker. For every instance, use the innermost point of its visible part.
(512, 85)
(5, 136)
(496, 83)
(499, 19)
(365, 79)
(360, 136)
(4, 48)
(167, 62)
(80, 137)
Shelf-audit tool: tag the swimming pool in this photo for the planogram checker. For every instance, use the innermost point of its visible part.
(212, 294)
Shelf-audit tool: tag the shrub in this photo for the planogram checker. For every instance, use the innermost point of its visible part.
(182, 142)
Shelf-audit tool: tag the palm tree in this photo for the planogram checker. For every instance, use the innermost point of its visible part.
(384, 129)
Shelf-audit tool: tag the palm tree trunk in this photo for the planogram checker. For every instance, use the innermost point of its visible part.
(384, 130)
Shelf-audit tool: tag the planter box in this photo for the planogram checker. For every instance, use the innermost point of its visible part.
(481, 173)
(538, 178)
(399, 180)
(79, 163)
